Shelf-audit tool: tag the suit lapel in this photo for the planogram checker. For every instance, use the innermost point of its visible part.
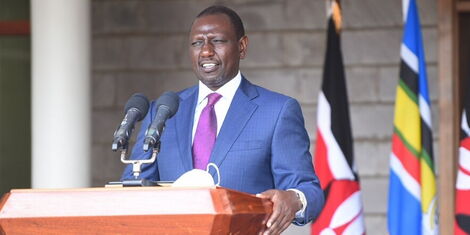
(240, 111)
(184, 126)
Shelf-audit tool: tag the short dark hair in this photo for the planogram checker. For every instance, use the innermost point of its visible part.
(232, 15)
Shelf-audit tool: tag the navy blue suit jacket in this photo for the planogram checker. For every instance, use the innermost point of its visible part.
(262, 145)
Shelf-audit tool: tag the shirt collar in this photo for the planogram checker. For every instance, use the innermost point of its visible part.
(227, 90)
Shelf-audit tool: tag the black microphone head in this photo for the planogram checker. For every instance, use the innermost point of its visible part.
(171, 100)
(140, 102)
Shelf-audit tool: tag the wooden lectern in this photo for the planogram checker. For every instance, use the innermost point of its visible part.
(143, 210)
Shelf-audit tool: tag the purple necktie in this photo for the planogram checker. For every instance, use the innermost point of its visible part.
(206, 133)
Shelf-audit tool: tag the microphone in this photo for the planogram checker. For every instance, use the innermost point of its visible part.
(167, 105)
(135, 110)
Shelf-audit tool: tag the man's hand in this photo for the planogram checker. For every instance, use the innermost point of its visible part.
(285, 205)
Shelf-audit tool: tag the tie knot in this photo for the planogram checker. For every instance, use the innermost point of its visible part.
(213, 98)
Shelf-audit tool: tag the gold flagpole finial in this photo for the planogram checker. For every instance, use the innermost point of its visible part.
(335, 11)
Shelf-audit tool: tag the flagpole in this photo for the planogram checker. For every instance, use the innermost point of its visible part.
(448, 111)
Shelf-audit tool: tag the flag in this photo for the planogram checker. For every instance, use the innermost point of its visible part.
(462, 193)
(334, 160)
(412, 189)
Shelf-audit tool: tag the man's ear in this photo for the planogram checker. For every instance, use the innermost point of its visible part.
(243, 46)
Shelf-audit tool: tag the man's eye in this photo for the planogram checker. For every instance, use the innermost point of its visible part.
(219, 41)
(196, 43)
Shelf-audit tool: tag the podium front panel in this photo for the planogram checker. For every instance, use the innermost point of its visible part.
(131, 211)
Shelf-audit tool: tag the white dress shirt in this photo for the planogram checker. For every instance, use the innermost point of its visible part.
(221, 107)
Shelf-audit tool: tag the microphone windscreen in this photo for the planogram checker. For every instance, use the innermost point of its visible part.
(140, 102)
(171, 100)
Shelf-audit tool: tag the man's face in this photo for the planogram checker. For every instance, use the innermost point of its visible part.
(215, 50)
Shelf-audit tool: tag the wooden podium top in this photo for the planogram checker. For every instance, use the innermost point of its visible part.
(132, 210)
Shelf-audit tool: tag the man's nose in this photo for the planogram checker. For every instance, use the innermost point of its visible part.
(207, 50)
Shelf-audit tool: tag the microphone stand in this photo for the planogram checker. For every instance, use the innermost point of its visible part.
(136, 169)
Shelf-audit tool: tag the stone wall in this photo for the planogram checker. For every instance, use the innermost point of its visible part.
(141, 46)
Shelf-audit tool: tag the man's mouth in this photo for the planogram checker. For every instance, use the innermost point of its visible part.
(209, 66)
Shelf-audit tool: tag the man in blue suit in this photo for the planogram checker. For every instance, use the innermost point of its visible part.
(259, 144)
